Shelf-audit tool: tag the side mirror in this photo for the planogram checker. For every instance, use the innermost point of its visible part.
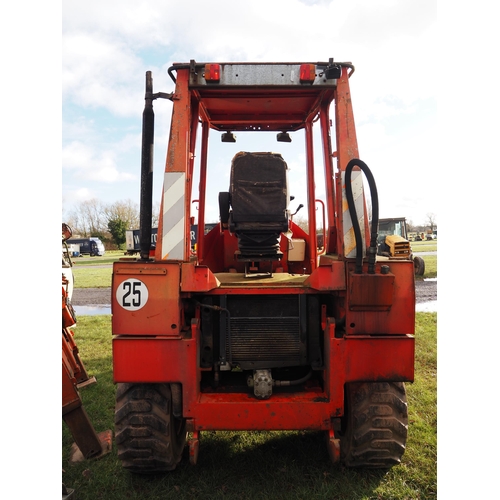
(228, 137)
(283, 137)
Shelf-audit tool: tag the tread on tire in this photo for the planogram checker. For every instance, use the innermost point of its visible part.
(375, 424)
(148, 437)
(419, 265)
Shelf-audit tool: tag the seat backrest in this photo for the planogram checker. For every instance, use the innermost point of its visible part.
(259, 188)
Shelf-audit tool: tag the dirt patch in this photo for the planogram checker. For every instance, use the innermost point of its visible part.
(426, 291)
(91, 297)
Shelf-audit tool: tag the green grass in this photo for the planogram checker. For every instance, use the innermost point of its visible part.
(110, 257)
(256, 465)
(91, 277)
(430, 260)
(424, 246)
(88, 272)
(430, 267)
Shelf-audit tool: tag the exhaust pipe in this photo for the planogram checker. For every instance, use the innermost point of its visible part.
(146, 203)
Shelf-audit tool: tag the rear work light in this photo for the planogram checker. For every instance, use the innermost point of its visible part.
(212, 73)
(307, 73)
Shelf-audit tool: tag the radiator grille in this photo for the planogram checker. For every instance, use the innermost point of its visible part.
(398, 246)
(266, 339)
(266, 333)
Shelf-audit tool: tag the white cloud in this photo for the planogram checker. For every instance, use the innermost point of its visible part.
(82, 194)
(81, 128)
(98, 72)
(89, 165)
(76, 156)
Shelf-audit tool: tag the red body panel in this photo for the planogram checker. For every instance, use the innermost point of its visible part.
(157, 360)
(175, 358)
(385, 306)
(161, 314)
(352, 327)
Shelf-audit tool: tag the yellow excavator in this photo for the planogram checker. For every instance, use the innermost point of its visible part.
(393, 241)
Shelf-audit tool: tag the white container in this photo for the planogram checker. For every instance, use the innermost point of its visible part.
(296, 249)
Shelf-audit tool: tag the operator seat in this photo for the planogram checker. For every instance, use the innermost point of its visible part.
(256, 207)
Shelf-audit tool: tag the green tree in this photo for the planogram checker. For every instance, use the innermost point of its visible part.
(117, 227)
(125, 210)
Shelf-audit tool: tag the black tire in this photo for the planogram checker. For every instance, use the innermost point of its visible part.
(149, 438)
(419, 265)
(375, 425)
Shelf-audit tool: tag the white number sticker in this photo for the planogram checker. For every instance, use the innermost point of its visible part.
(132, 294)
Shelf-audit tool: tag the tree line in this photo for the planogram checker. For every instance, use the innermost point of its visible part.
(429, 223)
(108, 222)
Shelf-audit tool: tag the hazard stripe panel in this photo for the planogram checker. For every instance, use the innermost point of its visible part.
(357, 192)
(173, 229)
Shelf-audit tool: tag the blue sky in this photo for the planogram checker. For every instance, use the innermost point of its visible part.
(107, 48)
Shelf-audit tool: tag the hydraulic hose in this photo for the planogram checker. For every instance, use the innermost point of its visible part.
(283, 383)
(372, 250)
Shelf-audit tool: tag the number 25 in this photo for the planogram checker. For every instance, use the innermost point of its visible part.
(131, 289)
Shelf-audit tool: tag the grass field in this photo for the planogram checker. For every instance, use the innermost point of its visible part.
(258, 465)
(424, 246)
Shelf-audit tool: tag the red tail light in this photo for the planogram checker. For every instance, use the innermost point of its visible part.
(212, 72)
(307, 73)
